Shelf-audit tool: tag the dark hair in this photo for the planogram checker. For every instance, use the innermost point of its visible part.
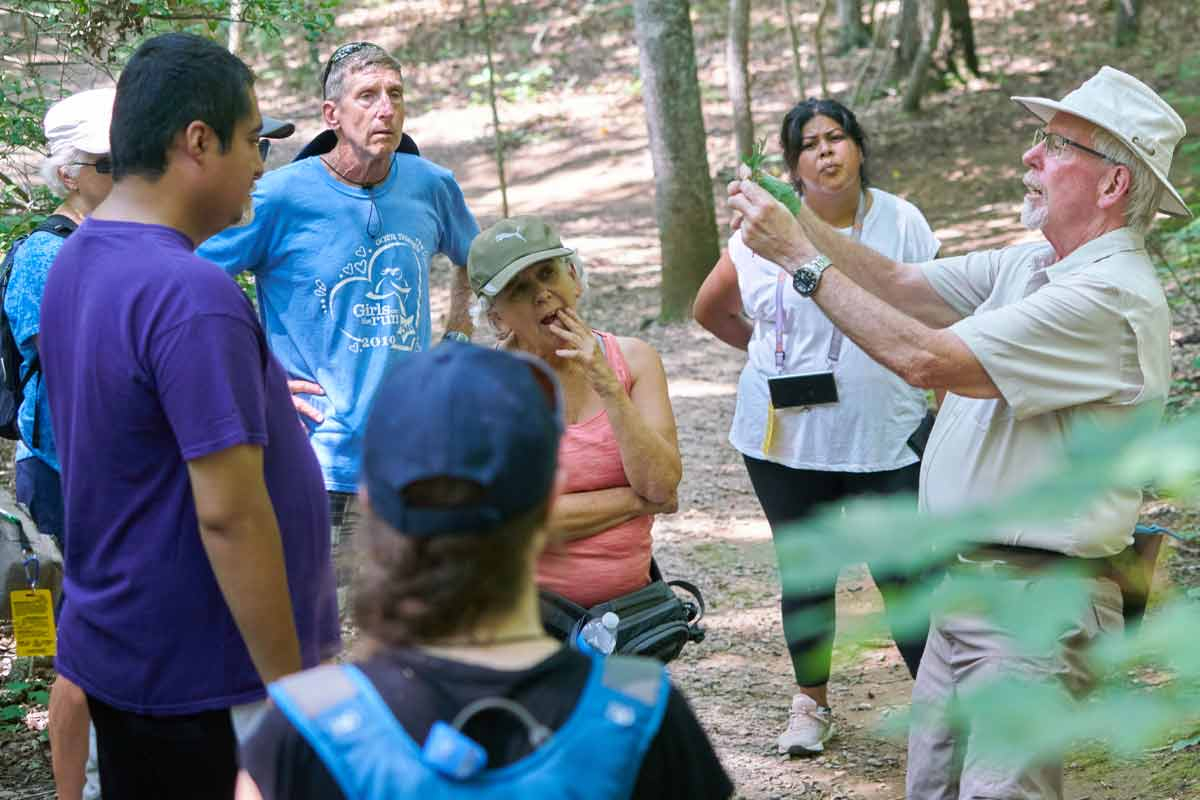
(791, 133)
(170, 82)
(413, 589)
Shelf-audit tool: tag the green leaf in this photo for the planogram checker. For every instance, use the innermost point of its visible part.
(9, 713)
(780, 190)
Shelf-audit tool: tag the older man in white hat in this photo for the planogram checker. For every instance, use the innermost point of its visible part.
(1028, 341)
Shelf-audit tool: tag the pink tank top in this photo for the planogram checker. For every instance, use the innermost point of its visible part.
(613, 562)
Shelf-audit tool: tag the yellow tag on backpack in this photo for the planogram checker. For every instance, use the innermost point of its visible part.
(33, 622)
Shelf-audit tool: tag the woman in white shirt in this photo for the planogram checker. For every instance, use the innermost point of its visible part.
(804, 456)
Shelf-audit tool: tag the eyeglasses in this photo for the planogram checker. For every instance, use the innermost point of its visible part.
(264, 147)
(1057, 144)
(341, 54)
(103, 165)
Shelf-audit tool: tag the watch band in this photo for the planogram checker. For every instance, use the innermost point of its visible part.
(808, 276)
(455, 336)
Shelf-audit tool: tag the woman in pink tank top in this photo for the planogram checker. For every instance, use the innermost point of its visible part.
(619, 455)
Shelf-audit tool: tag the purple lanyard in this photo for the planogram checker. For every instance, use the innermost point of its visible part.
(835, 342)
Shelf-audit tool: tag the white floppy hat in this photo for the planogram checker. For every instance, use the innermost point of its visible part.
(81, 121)
(1132, 112)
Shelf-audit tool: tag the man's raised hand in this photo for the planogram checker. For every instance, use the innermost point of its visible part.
(767, 227)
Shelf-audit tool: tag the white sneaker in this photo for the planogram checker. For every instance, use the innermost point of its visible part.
(809, 727)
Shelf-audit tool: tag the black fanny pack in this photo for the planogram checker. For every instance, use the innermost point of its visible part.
(654, 620)
(920, 437)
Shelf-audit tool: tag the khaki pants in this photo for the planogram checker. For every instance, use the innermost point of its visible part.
(965, 652)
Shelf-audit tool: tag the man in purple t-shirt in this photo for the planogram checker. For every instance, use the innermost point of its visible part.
(198, 560)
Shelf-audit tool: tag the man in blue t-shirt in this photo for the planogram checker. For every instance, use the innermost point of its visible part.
(340, 248)
(198, 564)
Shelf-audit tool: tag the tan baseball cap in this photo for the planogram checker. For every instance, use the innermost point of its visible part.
(499, 253)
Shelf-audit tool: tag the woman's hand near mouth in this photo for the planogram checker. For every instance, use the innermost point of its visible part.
(583, 349)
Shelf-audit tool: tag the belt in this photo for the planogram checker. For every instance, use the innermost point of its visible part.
(1014, 560)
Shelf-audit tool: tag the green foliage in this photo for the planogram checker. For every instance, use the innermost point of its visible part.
(17, 699)
(51, 48)
(1177, 241)
(1120, 716)
(779, 189)
(517, 86)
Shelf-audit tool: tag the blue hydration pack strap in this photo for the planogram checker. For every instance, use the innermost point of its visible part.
(368, 753)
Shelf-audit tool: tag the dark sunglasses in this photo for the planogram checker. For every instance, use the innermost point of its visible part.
(102, 165)
(341, 54)
(264, 147)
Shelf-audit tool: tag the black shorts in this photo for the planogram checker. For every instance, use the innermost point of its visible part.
(184, 757)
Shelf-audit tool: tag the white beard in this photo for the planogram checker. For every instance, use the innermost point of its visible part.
(1034, 215)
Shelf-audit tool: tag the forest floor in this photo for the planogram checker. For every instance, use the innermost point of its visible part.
(579, 155)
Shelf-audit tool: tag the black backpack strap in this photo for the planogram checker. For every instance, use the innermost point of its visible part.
(694, 591)
(58, 224)
(695, 610)
(35, 367)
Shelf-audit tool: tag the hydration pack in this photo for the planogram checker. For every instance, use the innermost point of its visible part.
(595, 755)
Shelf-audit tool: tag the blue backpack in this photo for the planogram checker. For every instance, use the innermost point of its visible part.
(595, 755)
(12, 382)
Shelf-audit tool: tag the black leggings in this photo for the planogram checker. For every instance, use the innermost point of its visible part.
(180, 757)
(788, 495)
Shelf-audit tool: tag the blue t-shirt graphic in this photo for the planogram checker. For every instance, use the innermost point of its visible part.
(343, 282)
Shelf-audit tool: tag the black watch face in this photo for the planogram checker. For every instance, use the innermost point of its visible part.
(805, 281)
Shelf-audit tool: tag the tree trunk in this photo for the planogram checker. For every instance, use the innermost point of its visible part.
(852, 34)
(818, 45)
(1127, 22)
(499, 142)
(235, 27)
(797, 67)
(683, 191)
(738, 66)
(932, 12)
(962, 36)
(859, 96)
(908, 39)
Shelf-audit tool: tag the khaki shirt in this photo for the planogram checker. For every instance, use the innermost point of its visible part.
(1081, 340)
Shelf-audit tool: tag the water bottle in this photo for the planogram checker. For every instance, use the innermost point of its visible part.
(600, 635)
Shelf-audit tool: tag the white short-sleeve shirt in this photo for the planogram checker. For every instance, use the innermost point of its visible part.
(868, 428)
(1084, 339)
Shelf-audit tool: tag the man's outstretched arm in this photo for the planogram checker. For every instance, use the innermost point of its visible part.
(770, 230)
(924, 356)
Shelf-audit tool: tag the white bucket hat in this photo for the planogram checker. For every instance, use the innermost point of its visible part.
(1133, 113)
(81, 121)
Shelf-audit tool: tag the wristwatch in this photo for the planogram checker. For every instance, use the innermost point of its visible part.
(807, 276)
(455, 336)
